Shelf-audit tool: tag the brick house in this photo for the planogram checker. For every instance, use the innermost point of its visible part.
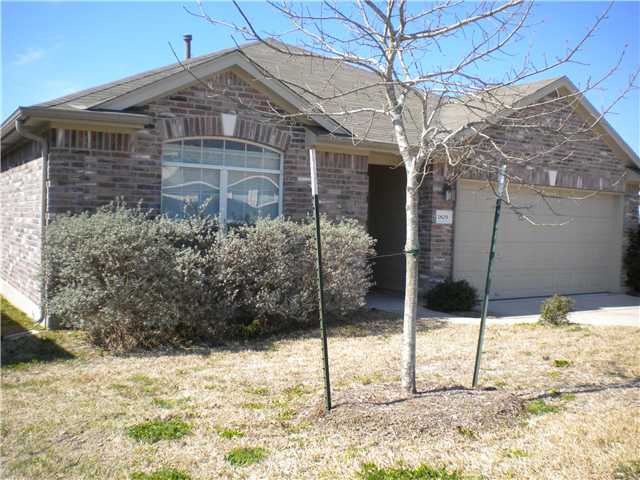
(170, 134)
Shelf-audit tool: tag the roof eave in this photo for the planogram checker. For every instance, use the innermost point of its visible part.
(39, 116)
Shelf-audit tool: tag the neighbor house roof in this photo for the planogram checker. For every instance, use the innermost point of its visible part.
(300, 81)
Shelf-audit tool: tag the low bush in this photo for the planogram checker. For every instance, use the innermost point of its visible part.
(450, 296)
(554, 310)
(132, 279)
(631, 261)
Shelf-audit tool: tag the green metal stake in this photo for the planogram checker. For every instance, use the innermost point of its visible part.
(323, 327)
(487, 283)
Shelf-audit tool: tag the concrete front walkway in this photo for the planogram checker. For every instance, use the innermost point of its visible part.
(591, 309)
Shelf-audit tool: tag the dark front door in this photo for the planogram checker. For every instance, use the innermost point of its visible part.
(387, 224)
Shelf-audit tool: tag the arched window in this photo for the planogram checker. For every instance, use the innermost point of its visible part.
(242, 181)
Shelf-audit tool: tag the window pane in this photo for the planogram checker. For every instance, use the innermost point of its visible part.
(171, 152)
(171, 176)
(213, 151)
(251, 195)
(234, 154)
(190, 188)
(254, 156)
(271, 160)
(192, 151)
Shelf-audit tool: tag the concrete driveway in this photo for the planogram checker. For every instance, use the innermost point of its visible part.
(591, 309)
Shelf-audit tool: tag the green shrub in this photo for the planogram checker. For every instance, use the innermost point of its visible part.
(161, 474)
(554, 310)
(132, 279)
(371, 471)
(243, 456)
(450, 296)
(156, 430)
(631, 263)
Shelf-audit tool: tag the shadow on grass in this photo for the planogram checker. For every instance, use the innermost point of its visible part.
(452, 390)
(24, 347)
(365, 323)
(634, 382)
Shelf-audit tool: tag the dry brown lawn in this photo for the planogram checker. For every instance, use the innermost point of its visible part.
(69, 418)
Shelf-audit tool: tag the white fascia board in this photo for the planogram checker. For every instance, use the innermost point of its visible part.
(185, 78)
(133, 120)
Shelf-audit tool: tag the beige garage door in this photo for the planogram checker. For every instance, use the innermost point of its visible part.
(582, 256)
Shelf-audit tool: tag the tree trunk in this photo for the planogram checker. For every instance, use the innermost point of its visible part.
(412, 244)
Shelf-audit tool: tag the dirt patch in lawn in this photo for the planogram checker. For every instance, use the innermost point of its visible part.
(436, 411)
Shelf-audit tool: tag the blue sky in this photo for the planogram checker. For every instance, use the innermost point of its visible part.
(53, 48)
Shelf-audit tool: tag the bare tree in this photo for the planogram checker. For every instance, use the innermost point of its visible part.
(423, 86)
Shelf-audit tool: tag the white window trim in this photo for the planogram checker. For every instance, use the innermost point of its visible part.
(224, 169)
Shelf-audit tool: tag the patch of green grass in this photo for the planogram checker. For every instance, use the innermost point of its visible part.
(553, 374)
(466, 432)
(243, 456)
(262, 391)
(370, 471)
(627, 471)
(499, 384)
(13, 320)
(539, 407)
(568, 397)
(161, 474)
(529, 326)
(253, 405)
(561, 363)
(141, 379)
(578, 328)
(294, 391)
(170, 402)
(229, 433)
(297, 427)
(286, 415)
(30, 349)
(516, 453)
(156, 430)
(163, 402)
(364, 379)
(139, 385)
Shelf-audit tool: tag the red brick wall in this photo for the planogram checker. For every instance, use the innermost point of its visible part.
(20, 207)
(86, 173)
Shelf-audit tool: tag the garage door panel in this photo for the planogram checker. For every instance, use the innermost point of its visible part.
(582, 255)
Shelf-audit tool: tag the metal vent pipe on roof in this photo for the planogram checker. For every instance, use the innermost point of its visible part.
(187, 46)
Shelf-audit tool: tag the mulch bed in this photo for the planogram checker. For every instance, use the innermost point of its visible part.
(434, 411)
